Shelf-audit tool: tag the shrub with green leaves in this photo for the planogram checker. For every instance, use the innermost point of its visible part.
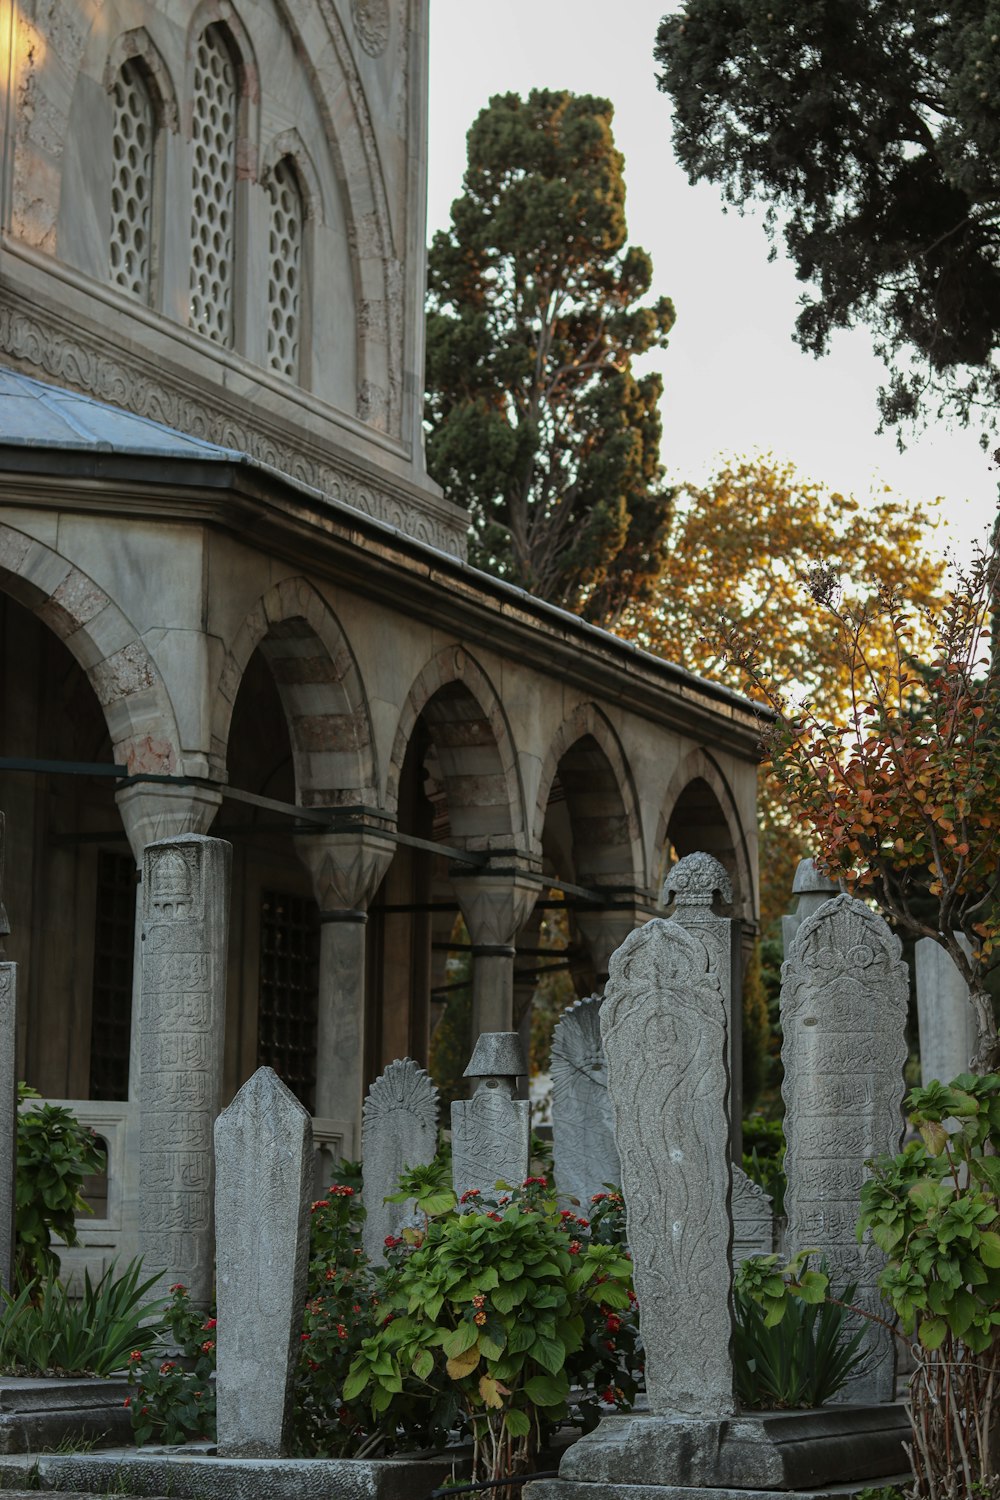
(506, 1319)
(54, 1154)
(173, 1399)
(791, 1348)
(44, 1331)
(935, 1211)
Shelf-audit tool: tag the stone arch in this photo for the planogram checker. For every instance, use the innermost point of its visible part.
(588, 758)
(289, 144)
(321, 692)
(132, 694)
(472, 737)
(699, 815)
(223, 13)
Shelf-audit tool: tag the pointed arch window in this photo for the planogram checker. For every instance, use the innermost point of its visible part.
(133, 146)
(284, 282)
(215, 119)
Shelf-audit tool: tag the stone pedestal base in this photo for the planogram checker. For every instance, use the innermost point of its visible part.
(811, 1453)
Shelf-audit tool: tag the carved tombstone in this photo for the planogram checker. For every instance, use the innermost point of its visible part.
(185, 922)
(753, 1218)
(664, 1024)
(843, 1012)
(584, 1153)
(947, 1022)
(8, 1092)
(399, 1129)
(263, 1151)
(491, 1132)
(810, 890)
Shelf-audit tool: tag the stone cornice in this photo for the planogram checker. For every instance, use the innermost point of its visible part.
(348, 548)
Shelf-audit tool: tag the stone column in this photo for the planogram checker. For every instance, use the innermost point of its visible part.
(495, 904)
(491, 1132)
(8, 1093)
(948, 1035)
(185, 932)
(694, 884)
(346, 870)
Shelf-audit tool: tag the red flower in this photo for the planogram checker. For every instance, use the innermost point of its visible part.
(480, 1318)
(535, 1182)
(608, 1396)
(469, 1194)
(610, 1344)
(166, 1366)
(209, 1324)
(208, 1346)
(574, 1247)
(135, 1356)
(341, 1331)
(304, 1338)
(178, 1286)
(614, 1323)
(127, 1401)
(494, 1216)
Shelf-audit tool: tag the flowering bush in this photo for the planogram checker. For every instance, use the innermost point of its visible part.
(490, 1316)
(173, 1399)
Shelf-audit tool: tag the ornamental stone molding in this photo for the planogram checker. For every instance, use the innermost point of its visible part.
(371, 24)
(40, 347)
(694, 880)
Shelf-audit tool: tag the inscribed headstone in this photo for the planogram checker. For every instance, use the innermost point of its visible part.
(263, 1154)
(810, 889)
(843, 1012)
(664, 1026)
(185, 921)
(398, 1129)
(947, 1022)
(584, 1153)
(753, 1218)
(491, 1132)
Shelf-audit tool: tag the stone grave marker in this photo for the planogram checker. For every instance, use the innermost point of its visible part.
(398, 1129)
(843, 1012)
(263, 1148)
(664, 1024)
(185, 923)
(810, 890)
(584, 1153)
(947, 1022)
(491, 1132)
(8, 1091)
(753, 1218)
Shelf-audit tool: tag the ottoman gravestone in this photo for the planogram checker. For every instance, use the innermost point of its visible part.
(398, 1129)
(263, 1149)
(844, 990)
(584, 1154)
(491, 1132)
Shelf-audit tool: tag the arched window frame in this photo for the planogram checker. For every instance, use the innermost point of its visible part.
(136, 51)
(287, 150)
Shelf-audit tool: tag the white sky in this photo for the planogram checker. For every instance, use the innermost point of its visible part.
(734, 380)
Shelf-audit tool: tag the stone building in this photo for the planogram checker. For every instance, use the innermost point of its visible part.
(231, 600)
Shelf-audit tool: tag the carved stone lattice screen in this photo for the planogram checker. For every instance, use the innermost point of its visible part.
(213, 187)
(284, 282)
(132, 158)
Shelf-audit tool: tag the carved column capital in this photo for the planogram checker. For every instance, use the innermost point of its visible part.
(496, 903)
(158, 810)
(603, 930)
(346, 868)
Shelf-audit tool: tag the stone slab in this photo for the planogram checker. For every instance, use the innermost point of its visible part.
(562, 1489)
(756, 1450)
(46, 1412)
(398, 1130)
(184, 1475)
(584, 1154)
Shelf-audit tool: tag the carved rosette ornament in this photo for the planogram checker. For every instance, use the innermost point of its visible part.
(695, 880)
(844, 991)
(371, 24)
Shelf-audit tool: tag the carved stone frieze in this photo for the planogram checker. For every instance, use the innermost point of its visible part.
(38, 344)
(371, 24)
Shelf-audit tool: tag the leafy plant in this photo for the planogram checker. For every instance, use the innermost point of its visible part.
(935, 1211)
(490, 1316)
(173, 1399)
(44, 1329)
(764, 1157)
(790, 1347)
(54, 1154)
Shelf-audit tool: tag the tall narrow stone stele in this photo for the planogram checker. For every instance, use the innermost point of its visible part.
(398, 1129)
(584, 1153)
(8, 1091)
(664, 1023)
(753, 1218)
(263, 1153)
(843, 1012)
(947, 1022)
(185, 925)
(491, 1132)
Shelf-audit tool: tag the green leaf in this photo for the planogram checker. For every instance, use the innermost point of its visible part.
(463, 1337)
(932, 1332)
(549, 1353)
(423, 1364)
(355, 1383)
(518, 1423)
(547, 1390)
(989, 1248)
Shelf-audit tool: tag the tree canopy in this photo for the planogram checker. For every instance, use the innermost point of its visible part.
(742, 553)
(535, 419)
(871, 131)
